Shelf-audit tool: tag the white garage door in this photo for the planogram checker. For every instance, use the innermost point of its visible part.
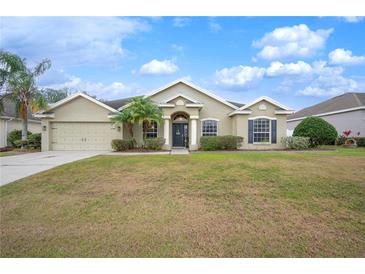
(82, 136)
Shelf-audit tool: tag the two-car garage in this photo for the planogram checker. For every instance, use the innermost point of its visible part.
(82, 136)
(79, 122)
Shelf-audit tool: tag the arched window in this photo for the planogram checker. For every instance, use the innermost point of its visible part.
(209, 128)
(261, 130)
(151, 131)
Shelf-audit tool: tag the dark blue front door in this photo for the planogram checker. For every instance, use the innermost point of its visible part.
(179, 135)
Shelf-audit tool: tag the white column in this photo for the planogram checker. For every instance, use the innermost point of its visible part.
(194, 132)
(166, 130)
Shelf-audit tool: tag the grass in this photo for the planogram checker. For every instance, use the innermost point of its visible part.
(251, 204)
(17, 151)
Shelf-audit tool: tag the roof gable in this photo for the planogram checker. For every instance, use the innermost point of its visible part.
(245, 109)
(80, 94)
(178, 96)
(199, 89)
(264, 98)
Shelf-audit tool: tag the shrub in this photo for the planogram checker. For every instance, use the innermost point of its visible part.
(340, 140)
(15, 135)
(318, 130)
(209, 143)
(20, 143)
(230, 142)
(123, 145)
(35, 140)
(360, 141)
(154, 143)
(296, 142)
(226, 142)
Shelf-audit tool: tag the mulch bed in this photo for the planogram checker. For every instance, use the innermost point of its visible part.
(143, 150)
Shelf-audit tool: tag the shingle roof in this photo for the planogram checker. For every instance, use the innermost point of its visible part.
(9, 110)
(119, 102)
(341, 102)
(236, 104)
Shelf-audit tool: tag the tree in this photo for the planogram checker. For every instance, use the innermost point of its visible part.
(125, 117)
(18, 82)
(319, 131)
(141, 111)
(54, 95)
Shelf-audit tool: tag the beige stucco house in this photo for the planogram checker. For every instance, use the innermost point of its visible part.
(9, 121)
(80, 122)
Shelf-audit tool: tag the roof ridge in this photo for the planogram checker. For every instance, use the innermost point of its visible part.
(357, 99)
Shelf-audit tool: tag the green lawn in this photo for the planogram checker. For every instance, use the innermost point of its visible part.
(248, 204)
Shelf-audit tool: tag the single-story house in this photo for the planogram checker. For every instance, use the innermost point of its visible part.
(9, 121)
(344, 112)
(80, 122)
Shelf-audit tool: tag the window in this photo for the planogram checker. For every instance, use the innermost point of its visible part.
(151, 132)
(210, 128)
(261, 130)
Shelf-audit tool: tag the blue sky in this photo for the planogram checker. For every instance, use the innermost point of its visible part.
(298, 61)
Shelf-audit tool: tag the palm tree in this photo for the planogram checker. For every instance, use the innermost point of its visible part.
(124, 117)
(18, 82)
(140, 110)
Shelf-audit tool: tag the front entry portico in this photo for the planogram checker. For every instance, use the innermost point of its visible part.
(180, 130)
(180, 135)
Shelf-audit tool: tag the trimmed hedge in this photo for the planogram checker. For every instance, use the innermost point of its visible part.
(16, 135)
(226, 142)
(340, 140)
(35, 140)
(360, 141)
(154, 143)
(296, 142)
(123, 145)
(319, 131)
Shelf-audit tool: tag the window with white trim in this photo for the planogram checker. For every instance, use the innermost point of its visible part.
(151, 131)
(261, 130)
(209, 128)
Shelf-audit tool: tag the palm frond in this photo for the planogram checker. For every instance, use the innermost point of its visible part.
(41, 67)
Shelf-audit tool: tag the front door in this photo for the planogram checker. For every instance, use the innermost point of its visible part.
(180, 135)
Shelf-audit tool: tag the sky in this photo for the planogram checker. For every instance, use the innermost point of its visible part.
(299, 61)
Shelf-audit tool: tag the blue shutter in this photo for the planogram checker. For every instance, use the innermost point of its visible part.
(250, 131)
(273, 131)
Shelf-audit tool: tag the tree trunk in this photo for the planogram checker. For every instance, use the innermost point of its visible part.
(24, 130)
(130, 129)
(144, 128)
(24, 115)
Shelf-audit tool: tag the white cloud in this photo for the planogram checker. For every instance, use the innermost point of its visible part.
(59, 79)
(242, 76)
(322, 68)
(280, 69)
(70, 40)
(295, 41)
(156, 67)
(329, 85)
(181, 22)
(177, 47)
(98, 89)
(345, 57)
(353, 19)
(214, 26)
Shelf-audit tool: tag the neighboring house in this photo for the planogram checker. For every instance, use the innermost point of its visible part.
(9, 121)
(344, 112)
(80, 122)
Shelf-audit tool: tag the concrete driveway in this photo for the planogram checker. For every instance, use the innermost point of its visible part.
(13, 168)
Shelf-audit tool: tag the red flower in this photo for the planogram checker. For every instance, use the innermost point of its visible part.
(347, 133)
